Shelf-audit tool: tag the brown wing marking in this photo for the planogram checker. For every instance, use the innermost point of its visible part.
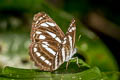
(42, 23)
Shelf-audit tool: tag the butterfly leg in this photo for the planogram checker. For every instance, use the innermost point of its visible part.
(77, 61)
(67, 65)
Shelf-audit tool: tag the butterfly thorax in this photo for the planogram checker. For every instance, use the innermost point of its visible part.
(71, 54)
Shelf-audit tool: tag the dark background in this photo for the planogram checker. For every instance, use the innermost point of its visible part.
(109, 9)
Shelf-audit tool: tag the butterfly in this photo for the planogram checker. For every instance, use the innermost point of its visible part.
(50, 47)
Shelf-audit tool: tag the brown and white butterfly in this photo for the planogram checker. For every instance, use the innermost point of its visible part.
(50, 47)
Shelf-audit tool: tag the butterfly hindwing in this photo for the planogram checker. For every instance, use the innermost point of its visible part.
(46, 36)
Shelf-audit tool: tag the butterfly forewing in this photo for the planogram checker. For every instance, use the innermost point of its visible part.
(69, 42)
(67, 48)
(46, 36)
(71, 33)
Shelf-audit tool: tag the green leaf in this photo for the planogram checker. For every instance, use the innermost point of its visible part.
(74, 72)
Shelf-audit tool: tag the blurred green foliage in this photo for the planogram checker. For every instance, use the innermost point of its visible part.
(109, 8)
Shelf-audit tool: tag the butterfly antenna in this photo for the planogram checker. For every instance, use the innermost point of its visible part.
(79, 37)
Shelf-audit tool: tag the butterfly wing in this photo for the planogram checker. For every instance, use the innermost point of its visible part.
(71, 33)
(46, 38)
(68, 44)
(67, 48)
